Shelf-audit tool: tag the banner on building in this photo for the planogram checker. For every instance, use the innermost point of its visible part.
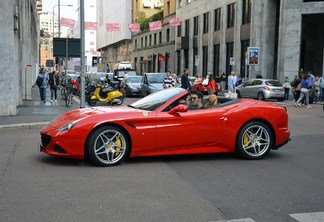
(90, 25)
(67, 22)
(155, 25)
(134, 27)
(175, 22)
(112, 27)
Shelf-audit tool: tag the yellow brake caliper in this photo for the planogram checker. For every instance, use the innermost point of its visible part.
(246, 140)
(118, 144)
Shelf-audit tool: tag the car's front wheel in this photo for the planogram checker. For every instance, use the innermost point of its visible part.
(107, 146)
(254, 141)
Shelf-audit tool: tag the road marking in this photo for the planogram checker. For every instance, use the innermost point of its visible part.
(309, 217)
(236, 220)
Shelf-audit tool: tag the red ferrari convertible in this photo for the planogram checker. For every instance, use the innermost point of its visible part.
(159, 124)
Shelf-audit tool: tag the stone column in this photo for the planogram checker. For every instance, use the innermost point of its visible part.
(222, 62)
(289, 39)
(237, 36)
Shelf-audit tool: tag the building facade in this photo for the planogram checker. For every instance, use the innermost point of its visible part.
(19, 44)
(115, 46)
(153, 51)
(214, 36)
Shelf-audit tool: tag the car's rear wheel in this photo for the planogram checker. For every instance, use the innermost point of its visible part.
(261, 96)
(107, 146)
(254, 141)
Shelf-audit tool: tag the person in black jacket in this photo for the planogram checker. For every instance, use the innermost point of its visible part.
(185, 84)
(54, 82)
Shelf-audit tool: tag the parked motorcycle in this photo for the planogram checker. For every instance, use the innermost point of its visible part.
(104, 93)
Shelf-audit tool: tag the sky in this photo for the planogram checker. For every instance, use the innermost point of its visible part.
(66, 11)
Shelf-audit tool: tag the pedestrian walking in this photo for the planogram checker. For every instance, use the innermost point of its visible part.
(231, 82)
(287, 87)
(211, 86)
(42, 82)
(54, 82)
(304, 92)
(321, 85)
(223, 79)
(185, 83)
(168, 81)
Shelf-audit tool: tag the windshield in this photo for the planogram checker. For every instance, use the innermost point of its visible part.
(155, 100)
(273, 83)
(101, 75)
(134, 79)
(156, 78)
(121, 73)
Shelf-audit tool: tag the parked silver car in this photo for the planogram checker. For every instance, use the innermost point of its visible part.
(261, 89)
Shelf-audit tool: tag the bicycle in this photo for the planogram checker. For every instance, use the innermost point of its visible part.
(69, 92)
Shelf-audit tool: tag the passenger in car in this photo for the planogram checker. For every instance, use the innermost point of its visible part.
(212, 101)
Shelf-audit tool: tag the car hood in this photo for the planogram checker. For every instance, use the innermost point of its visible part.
(156, 86)
(134, 84)
(80, 114)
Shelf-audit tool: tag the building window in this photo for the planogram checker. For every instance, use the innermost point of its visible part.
(160, 37)
(150, 43)
(91, 6)
(196, 25)
(168, 8)
(216, 59)
(180, 3)
(135, 43)
(246, 15)
(142, 45)
(145, 41)
(154, 38)
(217, 19)
(188, 1)
(229, 54)
(194, 63)
(206, 22)
(205, 60)
(167, 35)
(179, 31)
(244, 69)
(230, 15)
(187, 27)
(91, 32)
(91, 42)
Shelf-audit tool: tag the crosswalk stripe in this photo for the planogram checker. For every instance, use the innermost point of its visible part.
(309, 217)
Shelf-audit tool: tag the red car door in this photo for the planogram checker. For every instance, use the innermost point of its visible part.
(191, 129)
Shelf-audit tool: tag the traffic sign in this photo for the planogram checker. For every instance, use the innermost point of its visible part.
(253, 55)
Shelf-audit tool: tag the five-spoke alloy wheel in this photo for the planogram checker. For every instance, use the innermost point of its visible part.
(254, 140)
(107, 146)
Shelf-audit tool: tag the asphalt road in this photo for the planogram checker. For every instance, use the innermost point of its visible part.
(37, 187)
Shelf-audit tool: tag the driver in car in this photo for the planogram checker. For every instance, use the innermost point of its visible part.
(196, 99)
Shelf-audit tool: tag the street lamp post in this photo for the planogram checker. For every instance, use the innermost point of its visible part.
(59, 5)
(58, 18)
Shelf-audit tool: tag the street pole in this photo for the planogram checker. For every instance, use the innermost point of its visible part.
(59, 18)
(82, 36)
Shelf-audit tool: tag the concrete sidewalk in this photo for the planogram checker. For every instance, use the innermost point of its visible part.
(35, 114)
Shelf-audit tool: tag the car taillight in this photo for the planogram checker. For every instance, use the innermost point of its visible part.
(267, 88)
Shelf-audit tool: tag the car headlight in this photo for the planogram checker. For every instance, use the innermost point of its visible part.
(67, 126)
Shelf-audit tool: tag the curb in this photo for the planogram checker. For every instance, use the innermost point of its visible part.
(24, 125)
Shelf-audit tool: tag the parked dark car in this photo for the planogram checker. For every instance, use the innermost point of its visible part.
(151, 83)
(131, 86)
